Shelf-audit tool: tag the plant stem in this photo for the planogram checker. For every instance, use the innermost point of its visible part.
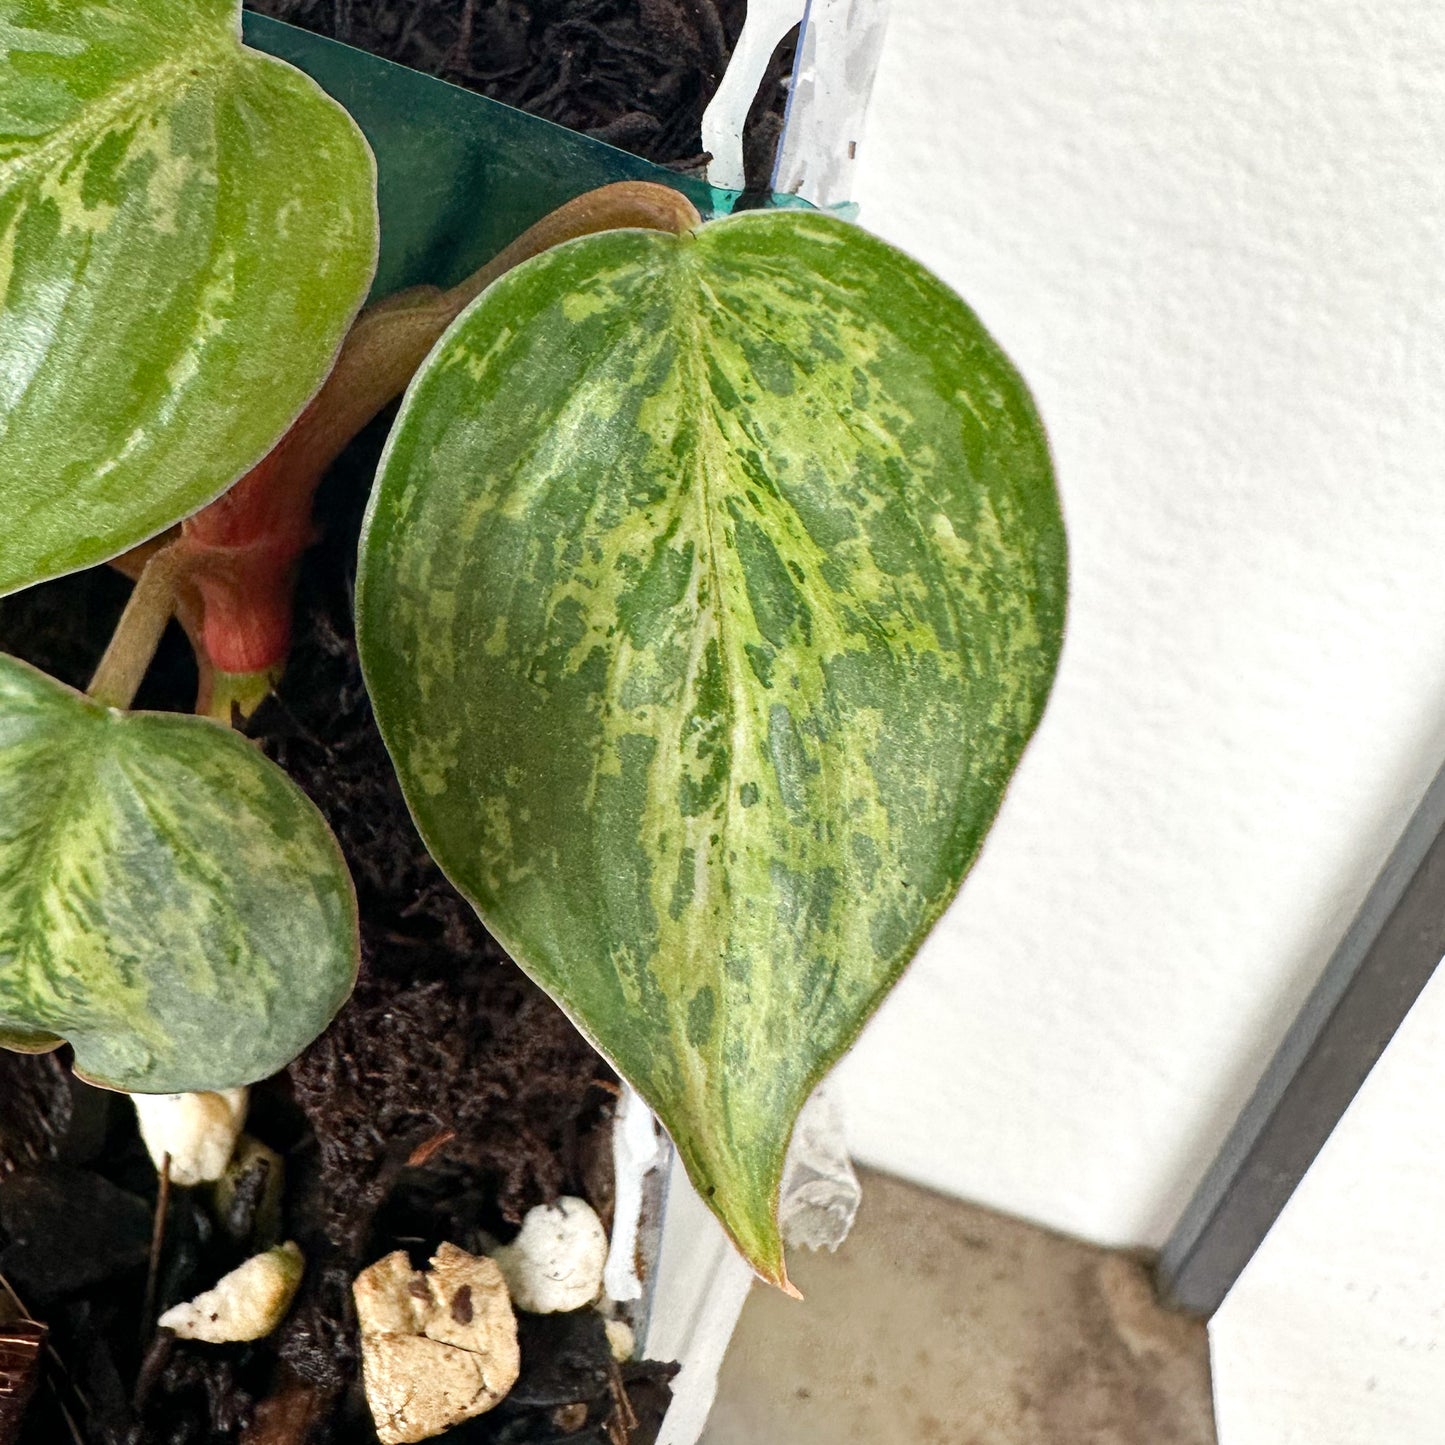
(241, 552)
(150, 607)
(624, 205)
(158, 1239)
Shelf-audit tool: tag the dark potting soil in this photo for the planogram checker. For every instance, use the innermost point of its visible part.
(635, 73)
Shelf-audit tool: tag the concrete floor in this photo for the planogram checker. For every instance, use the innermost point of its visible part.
(939, 1323)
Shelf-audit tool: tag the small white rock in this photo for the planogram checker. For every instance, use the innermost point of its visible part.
(245, 1304)
(556, 1263)
(620, 1340)
(437, 1347)
(198, 1131)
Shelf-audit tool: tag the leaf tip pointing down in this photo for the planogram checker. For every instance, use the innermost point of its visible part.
(744, 1201)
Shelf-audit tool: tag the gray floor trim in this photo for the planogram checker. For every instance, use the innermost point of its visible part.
(1378, 971)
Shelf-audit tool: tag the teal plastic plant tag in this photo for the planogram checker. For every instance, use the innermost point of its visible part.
(459, 175)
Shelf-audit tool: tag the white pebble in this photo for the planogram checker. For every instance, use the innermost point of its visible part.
(555, 1264)
(245, 1304)
(620, 1340)
(198, 1131)
(437, 1347)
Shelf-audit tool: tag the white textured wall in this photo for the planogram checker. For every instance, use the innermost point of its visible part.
(1212, 236)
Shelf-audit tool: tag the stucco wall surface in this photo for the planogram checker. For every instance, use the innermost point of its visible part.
(1212, 236)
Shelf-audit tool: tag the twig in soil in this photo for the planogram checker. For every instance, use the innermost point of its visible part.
(486, 77)
(158, 1239)
(635, 124)
(561, 85)
(408, 29)
(428, 1148)
(607, 42)
(69, 1419)
(623, 1419)
(298, 730)
(463, 47)
(405, 940)
(690, 165)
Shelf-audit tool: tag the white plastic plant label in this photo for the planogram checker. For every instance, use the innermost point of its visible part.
(838, 49)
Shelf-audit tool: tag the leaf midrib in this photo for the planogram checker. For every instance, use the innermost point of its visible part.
(742, 729)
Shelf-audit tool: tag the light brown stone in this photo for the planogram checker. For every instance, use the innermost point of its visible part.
(437, 1346)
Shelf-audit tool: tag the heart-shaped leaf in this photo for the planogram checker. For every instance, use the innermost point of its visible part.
(711, 590)
(170, 902)
(186, 230)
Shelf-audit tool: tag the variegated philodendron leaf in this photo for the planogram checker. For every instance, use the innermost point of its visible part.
(186, 230)
(170, 902)
(711, 590)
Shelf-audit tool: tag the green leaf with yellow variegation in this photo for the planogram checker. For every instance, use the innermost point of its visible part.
(186, 230)
(170, 902)
(711, 590)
